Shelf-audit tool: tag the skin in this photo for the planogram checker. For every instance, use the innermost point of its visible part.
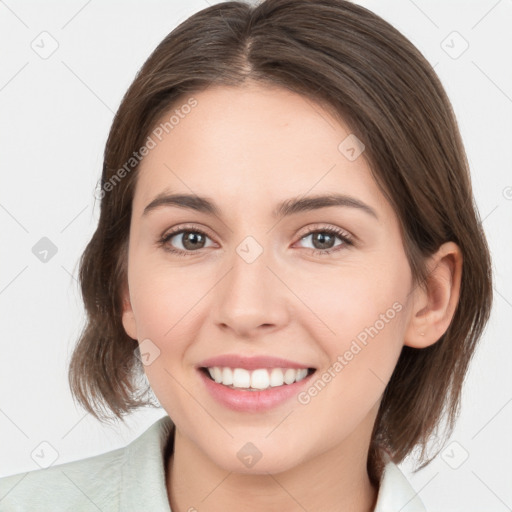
(248, 148)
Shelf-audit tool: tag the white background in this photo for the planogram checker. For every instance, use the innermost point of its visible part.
(55, 117)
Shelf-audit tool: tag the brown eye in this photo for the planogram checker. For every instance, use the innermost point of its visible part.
(324, 240)
(185, 241)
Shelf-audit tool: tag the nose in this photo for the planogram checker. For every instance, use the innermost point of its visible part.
(251, 299)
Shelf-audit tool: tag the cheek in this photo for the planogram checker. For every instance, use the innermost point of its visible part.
(163, 297)
(344, 301)
(163, 302)
(359, 322)
(167, 302)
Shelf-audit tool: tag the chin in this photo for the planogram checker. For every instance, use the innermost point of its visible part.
(247, 458)
(265, 465)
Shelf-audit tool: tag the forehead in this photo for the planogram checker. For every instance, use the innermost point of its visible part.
(253, 145)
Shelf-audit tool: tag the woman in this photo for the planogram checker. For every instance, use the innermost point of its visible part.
(289, 244)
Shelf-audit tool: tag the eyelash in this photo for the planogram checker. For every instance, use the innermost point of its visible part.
(342, 235)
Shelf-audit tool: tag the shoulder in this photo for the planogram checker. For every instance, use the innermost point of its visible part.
(396, 493)
(102, 482)
(86, 484)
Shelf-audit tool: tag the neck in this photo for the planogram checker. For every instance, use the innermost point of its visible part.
(336, 480)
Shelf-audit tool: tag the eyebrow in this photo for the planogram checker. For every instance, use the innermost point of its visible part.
(283, 209)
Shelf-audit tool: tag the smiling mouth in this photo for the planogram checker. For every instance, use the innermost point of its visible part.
(256, 380)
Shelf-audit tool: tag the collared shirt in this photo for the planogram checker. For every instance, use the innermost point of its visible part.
(133, 479)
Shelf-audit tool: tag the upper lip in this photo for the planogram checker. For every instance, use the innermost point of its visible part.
(250, 363)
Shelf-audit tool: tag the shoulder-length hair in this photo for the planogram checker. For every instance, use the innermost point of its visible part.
(363, 70)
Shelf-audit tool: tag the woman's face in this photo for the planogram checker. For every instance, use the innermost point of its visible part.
(320, 287)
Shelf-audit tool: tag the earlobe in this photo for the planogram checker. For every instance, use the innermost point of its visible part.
(128, 317)
(436, 300)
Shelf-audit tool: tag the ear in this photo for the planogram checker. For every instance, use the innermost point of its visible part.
(435, 300)
(128, 316)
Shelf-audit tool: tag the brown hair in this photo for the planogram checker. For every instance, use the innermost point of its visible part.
(363, 70)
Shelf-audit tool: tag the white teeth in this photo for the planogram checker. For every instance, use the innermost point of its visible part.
(289, 375)
(241, 378)
(261, 378)
(301, 374)
(217, 374)
(227, 376)
(276, 377)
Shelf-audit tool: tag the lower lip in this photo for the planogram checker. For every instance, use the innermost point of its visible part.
(253, 401)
